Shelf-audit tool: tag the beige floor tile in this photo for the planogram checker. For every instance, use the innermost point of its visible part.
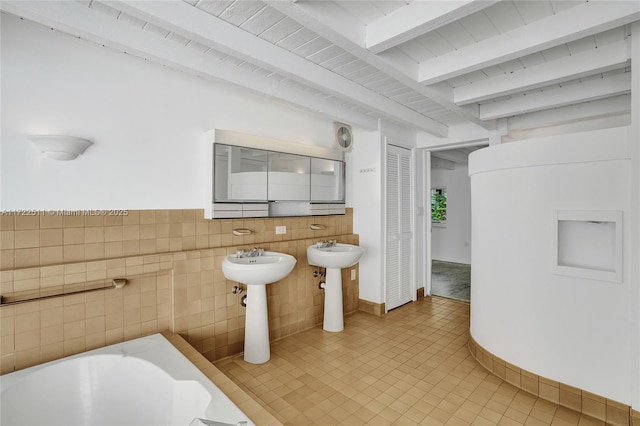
(412, 366)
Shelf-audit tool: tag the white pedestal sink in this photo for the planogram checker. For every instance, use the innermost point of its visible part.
(333, 258)
(256, 272)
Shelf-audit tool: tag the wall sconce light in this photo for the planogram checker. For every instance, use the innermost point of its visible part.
(60, 147)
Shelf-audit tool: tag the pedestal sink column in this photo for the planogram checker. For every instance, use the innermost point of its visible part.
(256, 326)
(333, 312)
(333, 258)
(257, 272)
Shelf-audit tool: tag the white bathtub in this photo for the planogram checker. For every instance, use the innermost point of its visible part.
(146, 381)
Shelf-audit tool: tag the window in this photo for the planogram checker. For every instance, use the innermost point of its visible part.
(439, 205)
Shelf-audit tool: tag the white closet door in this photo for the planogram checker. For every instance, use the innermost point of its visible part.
(399, 230)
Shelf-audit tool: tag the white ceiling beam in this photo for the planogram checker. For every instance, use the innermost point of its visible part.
(416, 19)
(94, 26)
(333, 15)
(605, 58)
(196, 24)
(588, 110)
(563, 27)
(307, 14)
(329, 21)
(575, 93)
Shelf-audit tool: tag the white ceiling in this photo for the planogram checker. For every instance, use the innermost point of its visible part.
(428, 65)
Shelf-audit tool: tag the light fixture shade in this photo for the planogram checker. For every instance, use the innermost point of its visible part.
(60, 147)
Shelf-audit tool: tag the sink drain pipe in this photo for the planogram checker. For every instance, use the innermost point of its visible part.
(236, 289)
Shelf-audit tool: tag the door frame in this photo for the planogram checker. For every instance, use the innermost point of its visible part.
(427, 225)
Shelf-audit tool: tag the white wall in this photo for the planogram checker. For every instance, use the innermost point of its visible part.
(452, 242)
(458, 135)
(148, 124)
(366, 177)
(368, 183)
(573, 330)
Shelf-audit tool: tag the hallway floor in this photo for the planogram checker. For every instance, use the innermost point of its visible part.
(408, 367)
(451, 280)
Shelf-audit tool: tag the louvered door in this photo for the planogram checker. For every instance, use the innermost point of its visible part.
(399, 230)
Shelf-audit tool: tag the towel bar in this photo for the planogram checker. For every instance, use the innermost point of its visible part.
(115, 284)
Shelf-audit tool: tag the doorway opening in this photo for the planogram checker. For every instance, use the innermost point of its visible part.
(448, 230)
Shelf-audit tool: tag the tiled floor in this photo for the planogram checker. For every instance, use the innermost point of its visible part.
(452, 280)
(409, 367)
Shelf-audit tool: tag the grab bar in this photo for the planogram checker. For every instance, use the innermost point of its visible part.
(115, 284)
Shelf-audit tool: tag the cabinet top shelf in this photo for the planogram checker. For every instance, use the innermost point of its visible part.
(247, 140)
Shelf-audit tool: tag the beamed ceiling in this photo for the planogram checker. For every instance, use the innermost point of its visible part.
(427, 65)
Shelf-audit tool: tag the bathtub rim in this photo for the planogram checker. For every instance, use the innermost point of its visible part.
(256, 412)
(252, 409)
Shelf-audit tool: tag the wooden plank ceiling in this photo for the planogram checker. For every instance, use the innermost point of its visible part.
(427, 65)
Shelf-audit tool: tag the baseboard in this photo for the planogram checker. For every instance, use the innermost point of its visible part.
(606, 410)
(376, 309)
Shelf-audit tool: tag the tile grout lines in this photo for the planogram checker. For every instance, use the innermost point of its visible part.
(409, 367)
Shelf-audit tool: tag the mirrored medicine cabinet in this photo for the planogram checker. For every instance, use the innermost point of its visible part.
(256, 182)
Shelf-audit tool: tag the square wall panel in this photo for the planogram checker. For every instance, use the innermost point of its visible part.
(588, 244)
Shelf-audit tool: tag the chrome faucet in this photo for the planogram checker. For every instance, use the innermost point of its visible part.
(255, 251)
(326, 244)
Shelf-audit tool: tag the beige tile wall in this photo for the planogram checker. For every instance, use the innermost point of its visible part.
(210, 316)
(172, 261)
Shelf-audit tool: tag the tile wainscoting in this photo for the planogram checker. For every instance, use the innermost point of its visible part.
(608, 411)
(172, 261)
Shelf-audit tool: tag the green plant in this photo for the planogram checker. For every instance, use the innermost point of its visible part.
(438, 205)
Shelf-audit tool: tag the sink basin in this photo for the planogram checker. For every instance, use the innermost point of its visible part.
(260, 270)
(256, 272)
(339, 256)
